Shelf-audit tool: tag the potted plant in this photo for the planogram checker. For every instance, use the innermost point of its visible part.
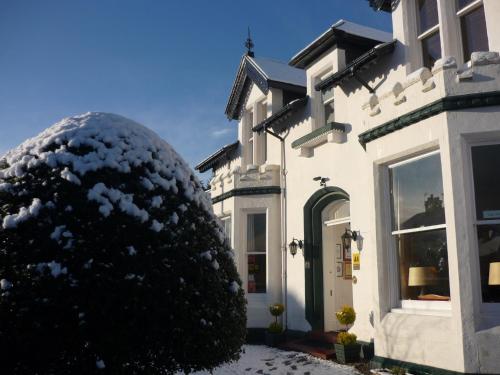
(274, 333)
(347, 349)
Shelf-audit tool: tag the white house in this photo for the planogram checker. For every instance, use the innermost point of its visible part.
(394, 140)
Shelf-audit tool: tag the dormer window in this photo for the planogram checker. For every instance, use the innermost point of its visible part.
(472, 26)
(328, 105)
(428, 29)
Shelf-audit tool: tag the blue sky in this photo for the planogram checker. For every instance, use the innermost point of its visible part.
(166, 64)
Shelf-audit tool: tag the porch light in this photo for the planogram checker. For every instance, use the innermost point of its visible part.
(347, 237)
(294, 245)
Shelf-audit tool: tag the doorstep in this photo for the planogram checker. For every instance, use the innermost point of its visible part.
(315, 343)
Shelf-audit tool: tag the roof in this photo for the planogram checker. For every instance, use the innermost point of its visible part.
(385, 5)
(342, 32)
(219, 157)
(361, 63)
(282, 114)
(265, 73)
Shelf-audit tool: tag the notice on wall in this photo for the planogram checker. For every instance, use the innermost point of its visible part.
(356, 260)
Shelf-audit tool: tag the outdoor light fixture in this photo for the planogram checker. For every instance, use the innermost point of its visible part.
(294, 245)
(322, 180)
(347, 237)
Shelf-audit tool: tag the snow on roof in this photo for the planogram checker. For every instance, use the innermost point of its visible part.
(115, 142)
(279, 71)
(352, 29)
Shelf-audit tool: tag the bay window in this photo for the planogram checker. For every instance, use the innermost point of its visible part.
(428, 31)
(472, 26)
(257, 252)
(419, 228)
(485, 166)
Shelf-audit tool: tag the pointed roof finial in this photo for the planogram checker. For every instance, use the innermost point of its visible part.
(249, 44)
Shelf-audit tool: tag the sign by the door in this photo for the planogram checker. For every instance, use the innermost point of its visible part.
(356, 260)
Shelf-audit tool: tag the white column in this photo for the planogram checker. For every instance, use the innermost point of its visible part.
(451, 41)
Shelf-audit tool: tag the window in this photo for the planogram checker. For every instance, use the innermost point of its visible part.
(226, 221)
(473, 27)
(428, 29)
(419, 228)
(250, 136)
(256, 252)
(263, 135)
(485, 164)
(328, 105)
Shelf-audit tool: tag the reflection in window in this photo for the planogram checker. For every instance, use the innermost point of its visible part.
(249, 127)
(256, 250)
(428, 29)
(419, 228)
(485, 160)
(473, 28)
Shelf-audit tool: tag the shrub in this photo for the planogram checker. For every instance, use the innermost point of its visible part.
(275, 327)
(277, 309)
(398, 370)
(111, 259)
(346, 338)
(346, 316)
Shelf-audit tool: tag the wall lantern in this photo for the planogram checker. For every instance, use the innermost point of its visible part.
(347, 237)
(294, 245)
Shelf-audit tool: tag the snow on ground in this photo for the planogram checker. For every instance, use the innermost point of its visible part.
(259, 359)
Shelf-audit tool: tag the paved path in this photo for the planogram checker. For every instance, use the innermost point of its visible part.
(269, 361)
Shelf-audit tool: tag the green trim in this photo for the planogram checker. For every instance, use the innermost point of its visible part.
(316, 133)
(414, 368)
(313, 252)
(259, 190)
(450, 103)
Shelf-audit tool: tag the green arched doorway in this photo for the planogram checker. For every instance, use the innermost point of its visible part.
(313, 254)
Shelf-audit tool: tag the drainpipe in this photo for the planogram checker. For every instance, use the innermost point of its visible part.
(284, 255)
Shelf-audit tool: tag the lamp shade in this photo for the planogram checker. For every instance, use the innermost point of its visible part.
(494, 277)
(420, 276)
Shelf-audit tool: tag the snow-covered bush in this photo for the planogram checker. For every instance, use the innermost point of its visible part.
(111, 259)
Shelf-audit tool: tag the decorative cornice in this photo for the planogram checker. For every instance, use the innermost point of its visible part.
(258, 190)
(219, 157)
(450, 103)
(283, 114)
(333, 126)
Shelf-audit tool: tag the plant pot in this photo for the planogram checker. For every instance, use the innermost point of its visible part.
(274, 339)
(347, 353)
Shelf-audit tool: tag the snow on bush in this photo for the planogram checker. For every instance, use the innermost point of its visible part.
(111, 260)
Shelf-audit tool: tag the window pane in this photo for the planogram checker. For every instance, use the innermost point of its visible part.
(417, 193)
(489, 252)
(486, 164)
(329, 113)
(474, 34)
(428, 14)
(431, 50)
(256, 233)
(327, 94)
(257, 273)
(464, 3)
(227, 229)
(423, 265)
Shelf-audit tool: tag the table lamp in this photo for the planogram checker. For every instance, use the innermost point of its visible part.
(421, 276)
(494, 277)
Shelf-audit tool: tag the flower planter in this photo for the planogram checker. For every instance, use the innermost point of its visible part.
(385, 371)
(274, 339)
(347, 353)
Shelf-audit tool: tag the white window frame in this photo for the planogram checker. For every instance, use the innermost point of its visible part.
(262, 296)
(427, 33)
(230, 235)
(463, 12)
(317, 96)
(485, 307)
(249, 126)
(441, 308)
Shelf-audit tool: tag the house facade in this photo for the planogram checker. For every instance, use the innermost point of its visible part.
(378, 156)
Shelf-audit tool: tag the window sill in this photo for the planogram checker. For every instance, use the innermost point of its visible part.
(332, 133)
(424, 312)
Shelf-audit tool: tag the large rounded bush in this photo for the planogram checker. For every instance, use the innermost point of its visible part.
(111, 260)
